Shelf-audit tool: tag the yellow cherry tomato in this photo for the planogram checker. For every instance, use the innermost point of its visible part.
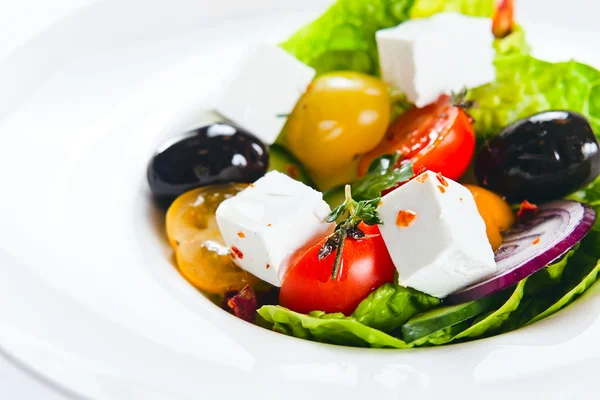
(341, 116)
(201, 254)
(496, 213)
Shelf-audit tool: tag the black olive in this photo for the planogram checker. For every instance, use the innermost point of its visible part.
(217, 153)
(540, 158)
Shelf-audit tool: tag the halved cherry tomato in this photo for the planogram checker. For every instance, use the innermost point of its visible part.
(366, 265)
(200, 251)
(439, 137)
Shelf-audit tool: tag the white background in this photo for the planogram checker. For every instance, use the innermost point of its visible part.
(21, 20)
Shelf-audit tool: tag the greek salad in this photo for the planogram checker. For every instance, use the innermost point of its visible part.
(373, 181)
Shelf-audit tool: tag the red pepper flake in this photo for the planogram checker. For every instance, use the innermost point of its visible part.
(441, 189)
(291, 170)
(405, 218)
(251, 185)
(241, 234)
(236, 253)
(269, 225)
(460, 198)
(268, 266)
(422, 178)
(536, 241)
(242, 304)
(527, 210)
(442, 180)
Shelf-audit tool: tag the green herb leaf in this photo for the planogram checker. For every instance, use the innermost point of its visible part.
(383, 174)
(337, 213)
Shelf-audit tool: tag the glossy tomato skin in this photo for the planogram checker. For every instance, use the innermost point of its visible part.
(438, 137)
(366, 265)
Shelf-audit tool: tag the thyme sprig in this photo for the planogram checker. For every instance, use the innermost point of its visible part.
(353, 213)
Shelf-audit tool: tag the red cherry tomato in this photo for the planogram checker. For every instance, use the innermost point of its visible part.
(438, 137)
(366, 265)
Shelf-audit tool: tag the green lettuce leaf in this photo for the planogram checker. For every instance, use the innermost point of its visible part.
(538, 288)
(474, 8)
(328, 328)
(390, 306)
(489, 323)
(572, 294)
(589, 194)
(582, 273)
(514, 43)
(526, 85)
(344, 37)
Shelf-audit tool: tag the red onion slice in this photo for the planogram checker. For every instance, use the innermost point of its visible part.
(531, 245)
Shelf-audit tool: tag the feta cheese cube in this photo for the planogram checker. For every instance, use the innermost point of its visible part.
(268, 221)
(266, 86)
(435, 235)
(446, 53)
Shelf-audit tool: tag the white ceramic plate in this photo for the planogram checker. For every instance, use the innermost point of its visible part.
(88, 298)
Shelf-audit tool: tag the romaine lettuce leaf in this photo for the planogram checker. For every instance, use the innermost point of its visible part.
(474, 8)
(514, 43)
(490, 322)
(526, 85)
(390, 306)
(344, 37)
(572, 294)
(579, 271)
(580, 275)
(328, 328)
(589, 194)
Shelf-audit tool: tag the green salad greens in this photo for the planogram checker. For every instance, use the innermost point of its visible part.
(344, 39)
(526, 85)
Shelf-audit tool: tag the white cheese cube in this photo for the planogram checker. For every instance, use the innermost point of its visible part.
(268, 221)
(445, 53)
(435, 235)
(266, 85)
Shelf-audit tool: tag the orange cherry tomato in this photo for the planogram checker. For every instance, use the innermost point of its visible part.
(496, 213)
